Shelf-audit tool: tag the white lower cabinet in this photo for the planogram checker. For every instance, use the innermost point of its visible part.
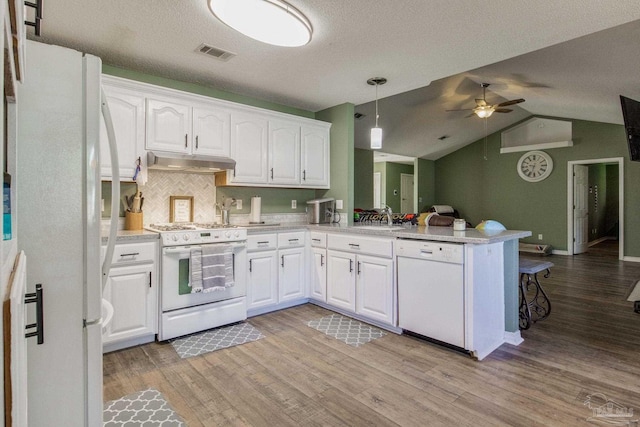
(291, 274)
(133, 292)
(374, 288)
(318, 275)
(262, 279)
(341, 280)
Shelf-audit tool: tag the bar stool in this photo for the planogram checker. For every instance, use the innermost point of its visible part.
(539, 306)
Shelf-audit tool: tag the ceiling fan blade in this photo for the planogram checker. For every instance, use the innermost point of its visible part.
(470, 115)
(512, 102)
(480, 102)
(460, 109)
(502, 110)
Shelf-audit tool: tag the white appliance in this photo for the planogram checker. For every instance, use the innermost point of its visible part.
(183, 312)
(58, 227)
(431, 298)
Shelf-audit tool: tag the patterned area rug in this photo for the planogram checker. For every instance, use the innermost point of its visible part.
(145, 408)
(348, 330)
(215, 339)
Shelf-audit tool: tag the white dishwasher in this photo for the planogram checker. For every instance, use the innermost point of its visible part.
(431, 290)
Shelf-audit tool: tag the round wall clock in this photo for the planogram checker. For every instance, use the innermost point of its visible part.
(535, 166)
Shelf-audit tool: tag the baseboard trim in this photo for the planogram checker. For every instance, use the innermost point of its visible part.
(559, 252)
(600, 240)
(631, 258)
(513, 338)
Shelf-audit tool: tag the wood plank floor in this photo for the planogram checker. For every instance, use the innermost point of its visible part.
(297, 376)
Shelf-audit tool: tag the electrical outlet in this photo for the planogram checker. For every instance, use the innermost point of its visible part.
(238, 204)
(419, 199)
(294, 204)
(102, 204)
(338, 204)
(539, 236)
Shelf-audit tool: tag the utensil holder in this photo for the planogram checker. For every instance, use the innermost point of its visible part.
(133, 220)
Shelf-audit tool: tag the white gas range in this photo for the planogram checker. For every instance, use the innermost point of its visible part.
(183, 311)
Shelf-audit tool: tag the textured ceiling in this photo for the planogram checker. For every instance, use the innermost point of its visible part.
(410, 42)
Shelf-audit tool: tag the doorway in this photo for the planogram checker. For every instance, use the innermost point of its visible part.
(585, 197)
(406, 193)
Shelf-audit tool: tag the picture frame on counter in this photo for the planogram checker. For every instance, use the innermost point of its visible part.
(180, 208)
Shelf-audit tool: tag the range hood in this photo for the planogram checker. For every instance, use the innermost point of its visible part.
(195, 163)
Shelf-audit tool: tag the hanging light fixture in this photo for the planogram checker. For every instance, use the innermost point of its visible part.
(376, 132)
(269, 21)
(484, 111)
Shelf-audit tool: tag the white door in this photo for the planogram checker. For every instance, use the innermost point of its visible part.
(374, 288)
(341, 280)
(127, 113)
(168, 126)
(315, 156)
(262, 279)
(291, 274)
(406, 193)
(284, 152)
(131, 292)
(211, 132)
(249, 148)
(376, 190)
(580, 208)
(319, 274)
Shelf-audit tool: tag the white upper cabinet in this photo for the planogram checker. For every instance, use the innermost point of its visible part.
(127, 114)
(284, 152)
(249, 148)
(211, 134)
(315, 156)
(168, 126)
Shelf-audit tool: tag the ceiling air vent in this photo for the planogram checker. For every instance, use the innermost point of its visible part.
(219, 54)
(359, 115)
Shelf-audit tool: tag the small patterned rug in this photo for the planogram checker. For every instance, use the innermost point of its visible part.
(215, 339)
(348, 330)
(145, 409)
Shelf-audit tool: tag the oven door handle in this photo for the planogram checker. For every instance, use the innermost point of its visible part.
(181, 250)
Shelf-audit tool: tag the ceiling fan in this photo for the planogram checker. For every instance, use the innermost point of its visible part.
(484, 110)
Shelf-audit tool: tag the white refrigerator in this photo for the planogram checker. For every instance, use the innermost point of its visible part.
(58, 206)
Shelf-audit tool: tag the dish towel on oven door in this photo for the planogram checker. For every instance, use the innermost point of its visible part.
(217, 267)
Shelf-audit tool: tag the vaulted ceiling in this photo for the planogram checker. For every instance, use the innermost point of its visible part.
(516, 45)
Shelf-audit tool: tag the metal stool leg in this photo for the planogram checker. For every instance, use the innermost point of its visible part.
(524, 311)
(540, 304)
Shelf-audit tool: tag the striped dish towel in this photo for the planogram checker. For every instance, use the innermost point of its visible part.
(195, 270)
(217, 267)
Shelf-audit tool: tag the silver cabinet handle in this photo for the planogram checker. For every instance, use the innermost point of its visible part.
(354, 245)
(186, 137)
(350, 266)
(358, 268)
(131, 254)
(321, 260)
(282, 260)
(250, 265)
(149, 279)
(271, 173)
(304, 175)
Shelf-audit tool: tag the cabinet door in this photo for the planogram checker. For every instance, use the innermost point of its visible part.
(341, 280)
(374, 288)
(127, 113)
(284, 152)
(249, 148)
(291, 285)
(318, 274)
(132, 292)
(262, 279)
(168, 126)
(315, 156)
(211, 132)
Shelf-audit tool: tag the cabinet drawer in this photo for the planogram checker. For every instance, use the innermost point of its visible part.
(361, 244)
(134, 252)
(291, 240)
(262, 242)
(318, 240)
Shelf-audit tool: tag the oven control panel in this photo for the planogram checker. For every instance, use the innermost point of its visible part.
(198, 237)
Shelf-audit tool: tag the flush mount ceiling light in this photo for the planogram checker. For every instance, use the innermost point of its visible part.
(376, 132)
(269, 21)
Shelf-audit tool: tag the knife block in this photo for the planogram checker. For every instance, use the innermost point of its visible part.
(133, 220)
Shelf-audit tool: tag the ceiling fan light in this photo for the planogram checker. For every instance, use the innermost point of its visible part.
(376, 138)
(484, 112)
(269, 21)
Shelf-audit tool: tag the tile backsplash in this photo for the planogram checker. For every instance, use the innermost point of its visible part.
(161, 185)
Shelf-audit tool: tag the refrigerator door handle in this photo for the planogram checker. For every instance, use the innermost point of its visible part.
(39, 325)
(115, 188)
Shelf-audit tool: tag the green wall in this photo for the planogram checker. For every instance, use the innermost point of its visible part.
(274, 200)
(425, 179)
(363, 178)
(492, 189)
(202, 90)
(342, 154)
(392, 180)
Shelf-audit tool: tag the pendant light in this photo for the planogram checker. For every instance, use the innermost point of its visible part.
(376, 132)
(269, 21)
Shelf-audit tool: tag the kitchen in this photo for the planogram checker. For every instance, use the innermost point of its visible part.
(300, 199)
